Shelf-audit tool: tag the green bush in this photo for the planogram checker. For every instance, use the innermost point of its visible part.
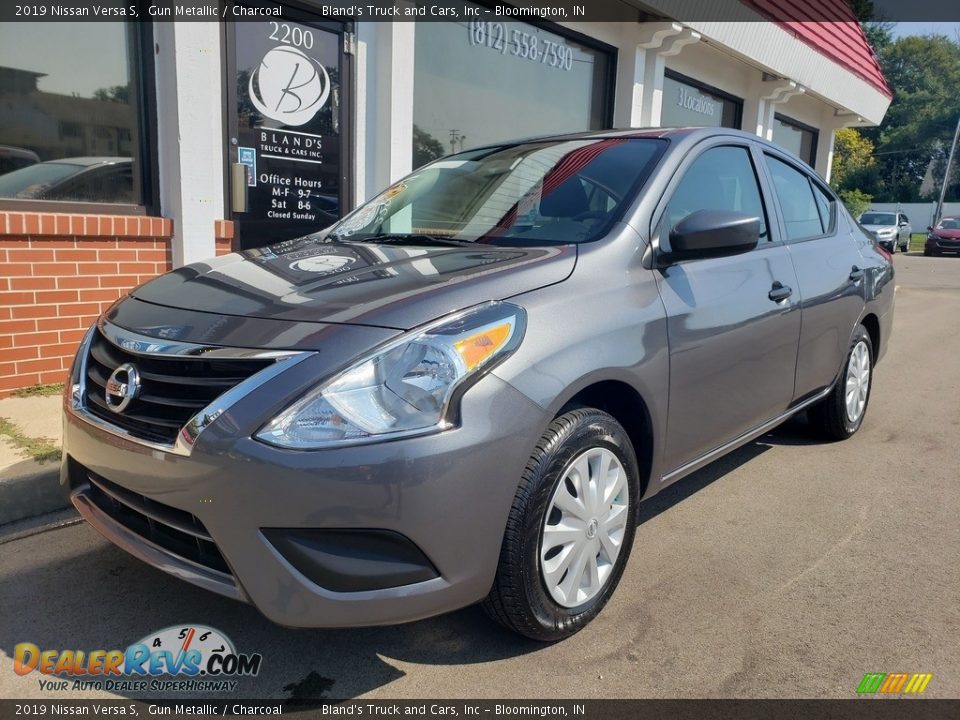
(856, 201)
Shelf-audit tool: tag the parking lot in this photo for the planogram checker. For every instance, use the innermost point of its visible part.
(788, 569)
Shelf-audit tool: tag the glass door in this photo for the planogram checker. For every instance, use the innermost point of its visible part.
(287, 95)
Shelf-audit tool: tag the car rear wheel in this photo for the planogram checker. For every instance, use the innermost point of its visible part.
(570, 529)
(841, 413)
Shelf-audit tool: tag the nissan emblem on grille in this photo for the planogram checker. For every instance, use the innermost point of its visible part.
(122, 387)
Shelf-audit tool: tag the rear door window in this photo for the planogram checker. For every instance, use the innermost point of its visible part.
(803, 216)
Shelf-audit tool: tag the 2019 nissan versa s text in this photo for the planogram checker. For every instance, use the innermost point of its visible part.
(462, 390)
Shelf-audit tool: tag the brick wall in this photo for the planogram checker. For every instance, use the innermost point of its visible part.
(58, 272)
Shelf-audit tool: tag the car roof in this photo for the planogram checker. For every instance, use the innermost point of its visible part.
(645, 132)
(690, 135)
(90, 161)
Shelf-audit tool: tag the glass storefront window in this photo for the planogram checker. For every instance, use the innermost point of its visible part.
(689, 104)
(796, 137)
(68, 113)
(480, 82)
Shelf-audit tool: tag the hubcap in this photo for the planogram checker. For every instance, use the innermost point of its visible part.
(858, 381)
(584, 527)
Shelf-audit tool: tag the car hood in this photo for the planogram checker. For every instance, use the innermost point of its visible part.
(947, 234)
(379, 285)
(879, 228)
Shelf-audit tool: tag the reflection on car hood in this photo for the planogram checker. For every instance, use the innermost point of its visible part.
(358, 283)
(947, 233)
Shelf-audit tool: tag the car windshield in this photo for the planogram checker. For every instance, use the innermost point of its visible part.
(878, 219)
(30, 181)
(537, 192)
(949, 224)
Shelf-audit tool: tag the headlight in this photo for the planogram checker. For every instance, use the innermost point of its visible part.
(407, 387)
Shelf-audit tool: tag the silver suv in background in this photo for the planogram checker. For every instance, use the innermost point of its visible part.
(462, 391)
(892, 229)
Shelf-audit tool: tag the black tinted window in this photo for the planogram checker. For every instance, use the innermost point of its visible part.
(801, 213)
(722, 178)
(69, 109)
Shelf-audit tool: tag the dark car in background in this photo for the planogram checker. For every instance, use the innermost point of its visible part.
(944, 237)
(14, 158)
(80, 179)
(462, 391)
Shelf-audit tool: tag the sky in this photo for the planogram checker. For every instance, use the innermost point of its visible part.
(950, 29)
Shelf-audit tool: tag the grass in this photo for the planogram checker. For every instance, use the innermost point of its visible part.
(39, 391)
(41, 450)
(916, 242)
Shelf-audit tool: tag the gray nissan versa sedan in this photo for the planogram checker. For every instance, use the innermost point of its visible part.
(462, 391)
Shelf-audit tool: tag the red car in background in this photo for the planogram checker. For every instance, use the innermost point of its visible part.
(944, 238)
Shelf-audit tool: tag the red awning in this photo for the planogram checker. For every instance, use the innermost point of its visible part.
(829, 27)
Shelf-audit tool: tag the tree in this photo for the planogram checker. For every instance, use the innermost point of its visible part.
(924, 73)
(425, 147)
(852, 157)
(116, 93)
(856, 201)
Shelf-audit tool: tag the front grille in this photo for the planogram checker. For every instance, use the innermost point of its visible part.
(173, 388)
(176, 531)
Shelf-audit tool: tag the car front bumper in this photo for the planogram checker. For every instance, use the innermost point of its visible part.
(941, 245)
(447, 496)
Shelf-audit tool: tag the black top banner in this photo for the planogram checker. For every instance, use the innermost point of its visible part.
(459, 11)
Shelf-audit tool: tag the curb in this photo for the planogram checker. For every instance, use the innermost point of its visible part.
(30, 495)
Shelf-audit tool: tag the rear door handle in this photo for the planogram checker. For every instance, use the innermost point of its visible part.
(779, 292)
(856, 273)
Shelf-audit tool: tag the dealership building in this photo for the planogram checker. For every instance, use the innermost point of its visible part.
(130, 148)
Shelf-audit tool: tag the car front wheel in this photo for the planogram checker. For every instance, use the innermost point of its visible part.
(570, 528)
(841, 413)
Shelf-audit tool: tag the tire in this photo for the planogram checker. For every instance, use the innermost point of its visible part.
(927, 253)
(832, 416)
(521, 598)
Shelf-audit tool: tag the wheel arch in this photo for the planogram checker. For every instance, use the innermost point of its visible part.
(621, 400)
(872, 323)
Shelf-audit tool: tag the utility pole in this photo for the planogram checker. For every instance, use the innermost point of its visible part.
(946, 175)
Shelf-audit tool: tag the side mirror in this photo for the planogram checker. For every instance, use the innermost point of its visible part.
(713, 233)
(929, 228)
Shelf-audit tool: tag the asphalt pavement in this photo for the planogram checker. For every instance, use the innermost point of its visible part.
(787, 569)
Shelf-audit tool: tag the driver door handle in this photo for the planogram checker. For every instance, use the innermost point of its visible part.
(856, 273)
(779, 292)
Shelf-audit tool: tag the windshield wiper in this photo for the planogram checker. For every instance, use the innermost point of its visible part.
(416, 239)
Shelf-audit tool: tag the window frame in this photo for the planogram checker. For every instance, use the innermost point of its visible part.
(812, 181)
(147, 180)
(704, 87)
(786, 120)
(774, 230)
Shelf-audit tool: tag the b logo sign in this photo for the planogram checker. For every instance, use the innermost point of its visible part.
(288, 86)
